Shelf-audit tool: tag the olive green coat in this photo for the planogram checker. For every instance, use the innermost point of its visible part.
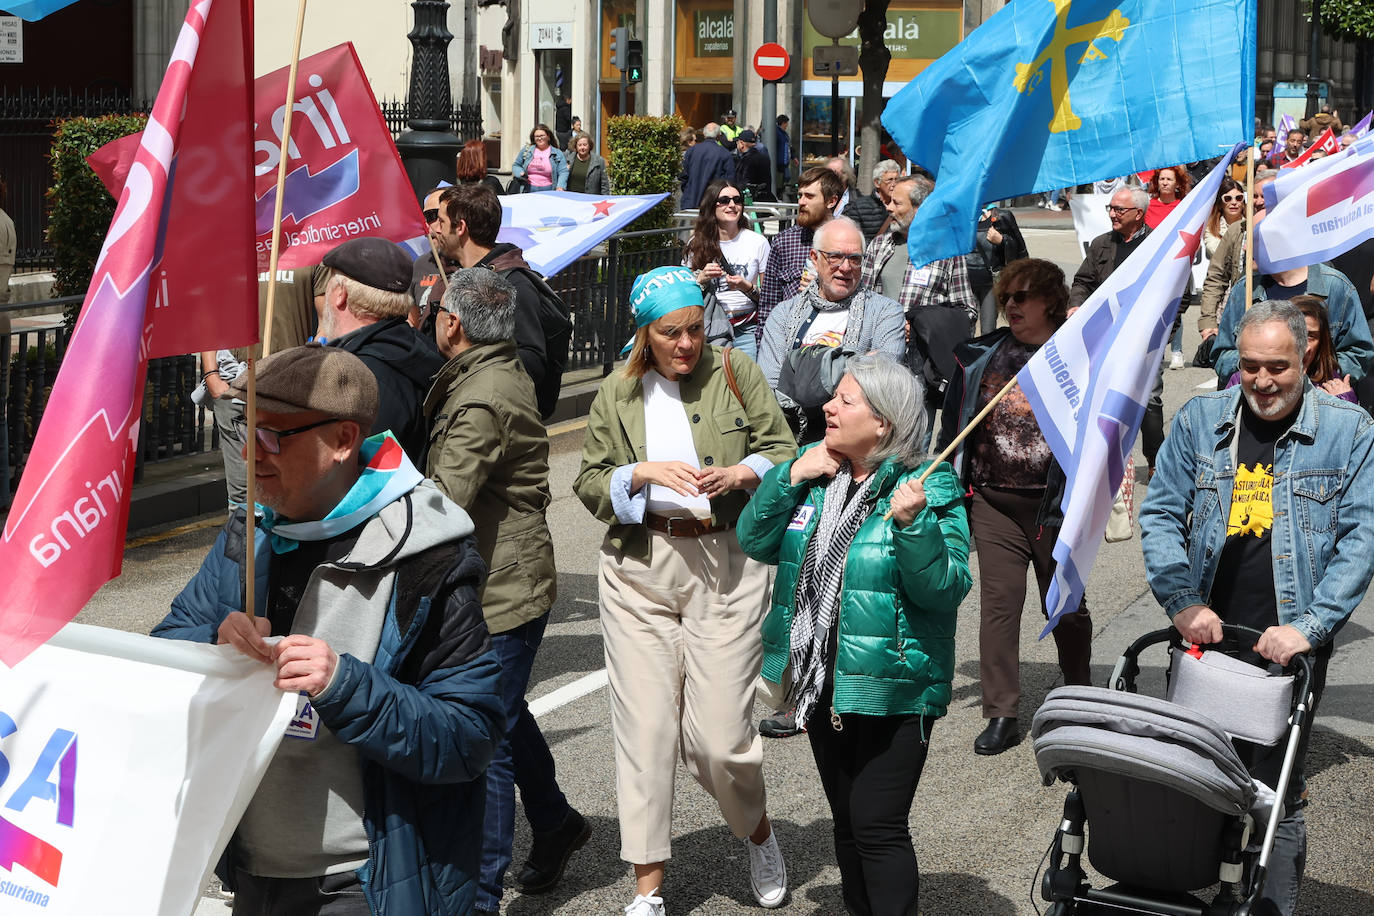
(724, 431)
(489, 453)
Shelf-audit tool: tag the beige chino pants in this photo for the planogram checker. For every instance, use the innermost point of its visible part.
(683, 651)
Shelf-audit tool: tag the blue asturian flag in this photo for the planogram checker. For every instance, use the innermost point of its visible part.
(1089, 383)
(34, 10)
(1051, 93)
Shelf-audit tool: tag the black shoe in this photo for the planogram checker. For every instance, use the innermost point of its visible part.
(783, 725)
(1000, 734)
(550, 852)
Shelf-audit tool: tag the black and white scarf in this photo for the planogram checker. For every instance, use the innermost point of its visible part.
(816, 602)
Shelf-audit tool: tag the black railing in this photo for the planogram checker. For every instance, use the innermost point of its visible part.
(30, 356)
(465, 119)
(27, 122)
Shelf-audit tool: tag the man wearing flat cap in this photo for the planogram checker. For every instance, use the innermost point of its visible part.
(369, 579)
(364, 308)
(752, 168)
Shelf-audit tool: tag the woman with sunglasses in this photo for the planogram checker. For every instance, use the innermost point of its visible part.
(1228, 209)
(1017, 487)
(541, 166)
(675, 444)
(727, 259)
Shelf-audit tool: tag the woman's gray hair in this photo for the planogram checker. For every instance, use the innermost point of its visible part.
(484, 302)
(897, 398)
(1280, 310)
(882, 168)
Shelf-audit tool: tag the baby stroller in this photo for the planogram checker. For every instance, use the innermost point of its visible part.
(1168, 805)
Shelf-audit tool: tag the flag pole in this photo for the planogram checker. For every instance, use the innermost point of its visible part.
(251, 408)
(1250, 224)
(438, 261)
(963, 434)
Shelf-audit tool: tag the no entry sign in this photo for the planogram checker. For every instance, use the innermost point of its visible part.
(771, 61)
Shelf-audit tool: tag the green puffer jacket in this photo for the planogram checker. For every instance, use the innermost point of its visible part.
(901, 591)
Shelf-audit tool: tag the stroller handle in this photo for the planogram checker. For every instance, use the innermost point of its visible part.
(1234, 638)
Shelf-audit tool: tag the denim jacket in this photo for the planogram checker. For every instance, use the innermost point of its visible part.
(1323, 504)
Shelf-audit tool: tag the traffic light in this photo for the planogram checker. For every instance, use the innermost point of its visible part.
(634, 61)
(620, 47)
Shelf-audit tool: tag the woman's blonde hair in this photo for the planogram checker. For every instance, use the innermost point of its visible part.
(641, 358)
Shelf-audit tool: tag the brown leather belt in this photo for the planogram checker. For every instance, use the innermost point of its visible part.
(676, 527)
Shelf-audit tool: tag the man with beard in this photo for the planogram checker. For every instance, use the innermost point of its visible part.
(1260, 515)
(427, 283)
(363, 310)
(1292, 146)
(789, 267)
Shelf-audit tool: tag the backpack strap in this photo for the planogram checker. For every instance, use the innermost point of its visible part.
(730, 376)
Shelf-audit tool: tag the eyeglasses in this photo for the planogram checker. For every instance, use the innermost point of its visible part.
(1233, 198)
(727, 199)
(1020, 296)
(1113, 208)
(270, 439)
(432, 216)
(836, 258)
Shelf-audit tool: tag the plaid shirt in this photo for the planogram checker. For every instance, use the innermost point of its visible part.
(782, 277)
(943, 282)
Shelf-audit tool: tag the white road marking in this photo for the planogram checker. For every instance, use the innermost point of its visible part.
(1212, 384)
(566, 694)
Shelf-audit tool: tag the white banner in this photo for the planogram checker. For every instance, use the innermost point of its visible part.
(1318, 211)
(555, 228)
(125, 764)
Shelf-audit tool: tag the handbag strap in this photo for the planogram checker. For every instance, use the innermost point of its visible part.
(730, 376)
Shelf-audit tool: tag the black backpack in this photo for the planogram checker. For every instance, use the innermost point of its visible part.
(936, 330)
(556, 320)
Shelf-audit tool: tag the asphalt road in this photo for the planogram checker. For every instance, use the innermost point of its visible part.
(980, 824)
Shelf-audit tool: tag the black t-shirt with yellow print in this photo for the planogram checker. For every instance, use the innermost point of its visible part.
(1243, 590)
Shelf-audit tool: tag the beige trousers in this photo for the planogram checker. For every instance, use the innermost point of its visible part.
(683, 651)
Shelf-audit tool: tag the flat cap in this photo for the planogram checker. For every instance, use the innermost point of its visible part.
(314, 377)
(372, 262)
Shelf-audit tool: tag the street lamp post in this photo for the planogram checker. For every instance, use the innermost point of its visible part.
(429, 148)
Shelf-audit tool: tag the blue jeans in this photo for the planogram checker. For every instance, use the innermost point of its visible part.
(747, 343)
(521, 759)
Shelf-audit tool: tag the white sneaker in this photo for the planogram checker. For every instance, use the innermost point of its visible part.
(767, 873)
(646, 905)
(1176, 361)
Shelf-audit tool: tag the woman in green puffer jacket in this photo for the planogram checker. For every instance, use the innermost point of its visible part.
(872, 564)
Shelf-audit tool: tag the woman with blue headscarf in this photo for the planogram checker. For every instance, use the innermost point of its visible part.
(674, 444)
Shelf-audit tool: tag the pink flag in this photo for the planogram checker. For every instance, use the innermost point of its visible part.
(166, 282)
(344, 178)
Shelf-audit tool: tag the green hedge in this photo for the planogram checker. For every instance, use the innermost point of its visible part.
(79, 207)
(644, 157)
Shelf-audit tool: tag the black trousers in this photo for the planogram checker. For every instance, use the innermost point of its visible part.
(330, 895)
(869, 770)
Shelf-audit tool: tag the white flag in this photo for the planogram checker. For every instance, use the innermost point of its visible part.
(125, 764)
(1090, 382)
(1318, 211)
(555, 228)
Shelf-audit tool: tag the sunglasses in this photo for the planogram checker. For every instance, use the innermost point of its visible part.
(1113, 208)
(1233, 198)
(1020, 296)
(727, 200)
(836, 258)
(432, 216)
(270, 439)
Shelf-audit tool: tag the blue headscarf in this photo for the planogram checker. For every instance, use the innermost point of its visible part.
(660, 291)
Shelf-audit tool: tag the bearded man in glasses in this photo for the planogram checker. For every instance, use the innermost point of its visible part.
(370, 576)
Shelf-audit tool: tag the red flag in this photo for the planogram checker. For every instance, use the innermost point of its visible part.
(344, 177)
(166, 283)
(1326, 142)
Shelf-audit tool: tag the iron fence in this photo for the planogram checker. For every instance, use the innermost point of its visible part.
(465, 119)
(30, 356)
(28, 117)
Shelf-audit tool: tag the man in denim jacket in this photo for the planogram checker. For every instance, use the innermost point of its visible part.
(1260, 514)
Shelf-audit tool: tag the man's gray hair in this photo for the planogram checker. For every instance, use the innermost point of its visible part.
(1140, 198)
(851, 180)
(484, 302)
(1280, 310)
(882, 168)
(711, 130)
(917, 188)
(897, 398)
(1266, 175)
(827, 227)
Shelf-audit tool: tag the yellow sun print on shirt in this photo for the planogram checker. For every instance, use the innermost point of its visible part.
(1252, 511)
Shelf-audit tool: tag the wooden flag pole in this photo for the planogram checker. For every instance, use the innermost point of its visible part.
(438, 264)
(251, 408)
(1249, 224)
(963, 434)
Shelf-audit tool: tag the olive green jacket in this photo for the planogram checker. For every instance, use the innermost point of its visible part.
(489, 453)
(724, 430)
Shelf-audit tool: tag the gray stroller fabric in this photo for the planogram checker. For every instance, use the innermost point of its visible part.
(1140, 738)
(1242, 698)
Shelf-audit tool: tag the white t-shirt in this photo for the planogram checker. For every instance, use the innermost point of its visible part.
(668, 437)
(828, 328)
(747, 253)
